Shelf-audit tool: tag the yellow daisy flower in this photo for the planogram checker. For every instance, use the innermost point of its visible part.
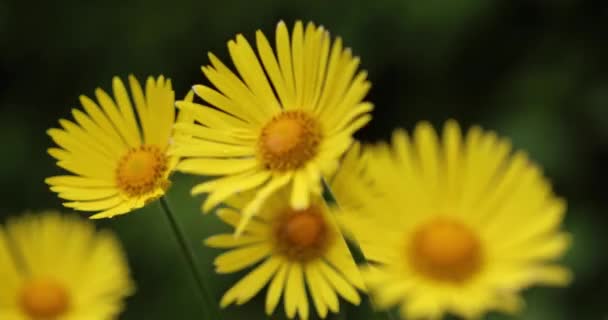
(293, 249)
(117, 158)
(284, 120)
(457, 226)
(57, 267)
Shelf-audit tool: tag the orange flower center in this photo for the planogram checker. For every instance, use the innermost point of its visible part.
(141, 170)
(445, 250)
(43, 299)
(289, 141)
(302, 235)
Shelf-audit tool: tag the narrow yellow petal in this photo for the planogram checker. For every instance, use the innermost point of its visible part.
(250, 210)
(426, 142)
(273, 294)
(202, 148)
(84, 194)
(294, 290)
(233, 88)
(238, 259)
(300, 197)
(233, 218)
(222, 102)
(272, 69)
(284, 56)
(210, 134)
(126, 109)
(355, 93)
(95, 205)
(224, 241)
(211, 166)
(93, 110)
(122, 208)
(211, 117)
(339, 256)
(312, 280)
(80, 150)
(111, 111)
(350, 116)
(140, 106)
(252, 73)
(345, 289)
(258, 278)
(111, 142)
(222, 193)
(79, 182)
(329, 295)
(219, 183)
(452, 163)
(297, 60)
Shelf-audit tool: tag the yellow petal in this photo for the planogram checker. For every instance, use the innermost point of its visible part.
(312, 280)
(230, 241)
(250, 210)
(345, 289)
(300, 197)
(237, 259)
(273, 295)
(212, 166)
(294, 290)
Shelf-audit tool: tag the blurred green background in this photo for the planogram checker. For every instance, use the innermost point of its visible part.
(533, 70)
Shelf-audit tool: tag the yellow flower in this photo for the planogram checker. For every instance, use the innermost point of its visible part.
(284, 120)
(117, 163)
(457, 225)
(58, 267)
(293, 249)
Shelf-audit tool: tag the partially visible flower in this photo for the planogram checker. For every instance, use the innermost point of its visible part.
(117, 158)
(58, 267)
(297, 252)
(284, 120)
(456, 225)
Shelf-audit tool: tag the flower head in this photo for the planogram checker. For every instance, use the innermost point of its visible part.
(58, 267)
(465, 224)
(293, 249)
(116, 162)
(284, 120)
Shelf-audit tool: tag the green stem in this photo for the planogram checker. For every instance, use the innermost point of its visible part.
(209, 305)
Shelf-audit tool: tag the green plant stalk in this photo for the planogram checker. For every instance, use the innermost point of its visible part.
(209, 306)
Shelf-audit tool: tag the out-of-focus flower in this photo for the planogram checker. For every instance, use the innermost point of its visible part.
(456, 225)
(59, 267)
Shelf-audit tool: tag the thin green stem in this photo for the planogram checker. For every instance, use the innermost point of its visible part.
(209, 306)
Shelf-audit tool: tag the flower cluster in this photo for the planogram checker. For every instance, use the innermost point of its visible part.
(433, 223)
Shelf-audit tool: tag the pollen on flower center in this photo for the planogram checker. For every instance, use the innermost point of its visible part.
(445, 250)
(302, 234)
(289, 140)
(44, 299)
(141, 170)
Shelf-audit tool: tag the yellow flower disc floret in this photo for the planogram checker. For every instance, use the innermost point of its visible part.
(445, 250)
(44, 299)
(289, 141)
(141, 170)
